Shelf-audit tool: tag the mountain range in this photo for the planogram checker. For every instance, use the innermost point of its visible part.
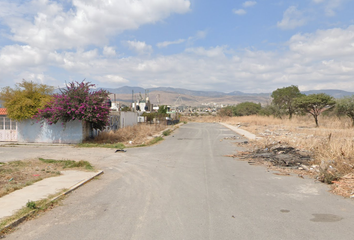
(180, 96)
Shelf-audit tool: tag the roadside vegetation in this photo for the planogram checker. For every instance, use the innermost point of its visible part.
(15, 175)
(23, 101)
(31, 210)
(131, 136)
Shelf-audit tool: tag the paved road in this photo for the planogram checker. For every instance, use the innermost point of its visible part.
(184, 188)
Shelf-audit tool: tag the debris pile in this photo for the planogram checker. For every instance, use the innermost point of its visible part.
(231, 138)
(281, 156)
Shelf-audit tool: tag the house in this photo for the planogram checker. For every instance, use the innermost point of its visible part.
(8, 127)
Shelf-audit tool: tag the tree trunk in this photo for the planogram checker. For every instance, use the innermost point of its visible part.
(316, 120)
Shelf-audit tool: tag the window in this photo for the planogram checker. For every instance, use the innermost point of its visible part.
(13, 125)
(2, 123)
(7, 123)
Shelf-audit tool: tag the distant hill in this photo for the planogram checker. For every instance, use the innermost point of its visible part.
(128, 90)
(180, 96)
(332, 92)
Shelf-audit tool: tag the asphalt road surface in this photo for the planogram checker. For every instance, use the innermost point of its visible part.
(185, 188)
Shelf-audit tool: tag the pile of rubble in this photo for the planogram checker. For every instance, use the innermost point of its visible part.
(281, 156)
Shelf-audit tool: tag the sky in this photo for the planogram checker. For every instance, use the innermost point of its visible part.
(207, 45)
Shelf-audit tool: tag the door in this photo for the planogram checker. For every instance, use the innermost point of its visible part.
(8, 130)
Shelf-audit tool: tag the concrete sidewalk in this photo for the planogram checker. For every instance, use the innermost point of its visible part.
(242, 132)
(68, 180)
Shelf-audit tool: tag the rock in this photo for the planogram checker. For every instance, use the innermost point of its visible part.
(304, 167)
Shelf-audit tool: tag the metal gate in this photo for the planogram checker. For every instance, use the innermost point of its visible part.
(8, 130)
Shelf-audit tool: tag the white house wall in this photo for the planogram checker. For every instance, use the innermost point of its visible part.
(128, 119)
(30, 131)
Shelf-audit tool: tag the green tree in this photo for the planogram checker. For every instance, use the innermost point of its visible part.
(162, 109)
(315, 104)
(269, 110)
(247, 108)
(23, 101)
(283, 99)
(345, 106)
(149, 116)
(227, 111)
(125, 109)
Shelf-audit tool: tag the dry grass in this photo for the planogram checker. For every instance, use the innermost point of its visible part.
(137, 134)
(19, 174)
(331, 144)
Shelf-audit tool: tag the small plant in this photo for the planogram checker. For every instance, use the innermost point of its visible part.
(155, 140)
(167, 132)
(327, 176)
(31, 204)
(69, 163)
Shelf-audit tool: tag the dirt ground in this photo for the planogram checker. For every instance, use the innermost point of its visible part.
(18, 174)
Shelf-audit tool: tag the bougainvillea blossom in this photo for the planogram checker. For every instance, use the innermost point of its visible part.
(77, 102)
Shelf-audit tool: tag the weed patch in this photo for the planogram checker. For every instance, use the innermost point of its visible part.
(31, 210)
(136, 135)
(31, 205)
(151, 142)
(167, 132)
(18, 174)
(69, 163)
(155, 140)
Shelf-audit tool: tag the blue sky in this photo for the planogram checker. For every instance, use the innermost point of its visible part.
(249, 46)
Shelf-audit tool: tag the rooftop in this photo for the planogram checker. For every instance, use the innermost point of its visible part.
(3, 111)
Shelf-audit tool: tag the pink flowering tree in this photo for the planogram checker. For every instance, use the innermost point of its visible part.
(77, 102)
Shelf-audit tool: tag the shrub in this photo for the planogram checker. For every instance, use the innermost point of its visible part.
(77, 102)
(23, 101)
(31, 205)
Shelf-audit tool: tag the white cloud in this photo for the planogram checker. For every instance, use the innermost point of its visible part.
(211, 52)
(46, 24)
(139, 47)
(199, 35)
(330, 6)
(292, 18)
(240, 11)
(168, 43)
(328, 44)
(17, 56)
(249, 4)
(323, 59)
(109, 51)
(190, 41)
(111, 79)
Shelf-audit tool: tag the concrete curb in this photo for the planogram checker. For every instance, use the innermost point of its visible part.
(172, 128)
(16, 222)
(242, 132)
(76, 186)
